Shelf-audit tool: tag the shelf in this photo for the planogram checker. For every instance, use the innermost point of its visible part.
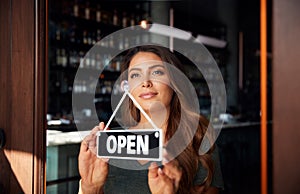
(107, 74)
(70, 39)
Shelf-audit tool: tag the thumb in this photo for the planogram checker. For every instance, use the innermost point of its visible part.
(101, 125)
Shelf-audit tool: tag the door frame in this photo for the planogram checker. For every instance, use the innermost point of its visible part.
(23, 81)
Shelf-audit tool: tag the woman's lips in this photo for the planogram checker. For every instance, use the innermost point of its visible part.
(147, 95)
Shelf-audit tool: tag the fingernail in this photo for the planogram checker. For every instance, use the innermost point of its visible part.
(160, 171)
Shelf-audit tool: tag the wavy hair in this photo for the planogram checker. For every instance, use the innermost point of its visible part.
(189, 159)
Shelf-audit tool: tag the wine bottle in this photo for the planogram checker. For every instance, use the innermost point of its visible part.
(115, 18)
(63, 58)
(76, 9)
(124, 20)
(98, 13)
(87, 11)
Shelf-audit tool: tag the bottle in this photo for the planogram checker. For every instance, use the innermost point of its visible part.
(132, 22)
(98, 13)
(76, 9)
(63, 58)
(58, 57)
(118, 65)
(84, 37)
(81, 55)
(93, 37)
(75, 86)
(98, 36)
(93, 61)
(84, 87)
(99, 64)
(89, 39)
(111, 42)
(124, 20)
(115, 18)
(87, 11)
(73, 34)
(76, 59)
(79, 86)
(126, 43)
(121, 44)
(87, 60)
(58, 34)
(108, 86)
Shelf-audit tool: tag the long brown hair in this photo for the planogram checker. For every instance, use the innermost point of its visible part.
(188, 159)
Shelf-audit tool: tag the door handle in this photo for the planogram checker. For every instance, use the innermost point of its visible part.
(2, 138)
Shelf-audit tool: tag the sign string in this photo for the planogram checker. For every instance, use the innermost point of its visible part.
(127, 93)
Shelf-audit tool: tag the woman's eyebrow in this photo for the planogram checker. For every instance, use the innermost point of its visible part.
(135, 69)
(151, 67)
(158, 65)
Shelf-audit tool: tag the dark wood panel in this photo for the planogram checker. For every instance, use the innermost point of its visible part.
(5, 100)
(23, 91)
(286, 93)
(22, 75)
(40, 97)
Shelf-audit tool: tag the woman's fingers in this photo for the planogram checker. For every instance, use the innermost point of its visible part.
(93, 171)
(84, 146)
(97, 128)
(163, 177)
(158, 181)
(153, 171)
(89, 142)
(172, 165)
(101, 125)
(173, 170)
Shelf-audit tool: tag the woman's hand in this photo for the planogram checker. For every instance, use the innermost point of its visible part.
(93, 170)
(164, 180)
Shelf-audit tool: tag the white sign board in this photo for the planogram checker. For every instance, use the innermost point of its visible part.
(137, 144)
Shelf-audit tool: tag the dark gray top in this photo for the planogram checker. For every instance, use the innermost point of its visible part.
(125, 181)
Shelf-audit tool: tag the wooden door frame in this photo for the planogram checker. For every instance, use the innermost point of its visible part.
(41, 94)
(23, 79)
(286, 92)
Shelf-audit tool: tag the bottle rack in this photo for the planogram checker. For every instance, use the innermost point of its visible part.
(197, 79)
(75, 26)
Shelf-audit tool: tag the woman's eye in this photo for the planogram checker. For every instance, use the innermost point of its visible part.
(134, 75)
(158, 72)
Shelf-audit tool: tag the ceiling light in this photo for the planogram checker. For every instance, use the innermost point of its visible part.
(210, 41)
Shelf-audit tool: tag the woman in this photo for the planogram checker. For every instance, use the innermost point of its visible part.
(151, 79)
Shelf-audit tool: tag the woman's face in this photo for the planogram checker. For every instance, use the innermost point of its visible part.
(149, 81)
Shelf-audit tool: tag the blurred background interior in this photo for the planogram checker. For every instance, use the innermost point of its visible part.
(75, 26)
(44, 43)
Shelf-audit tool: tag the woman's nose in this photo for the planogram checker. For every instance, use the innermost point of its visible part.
(147, 84)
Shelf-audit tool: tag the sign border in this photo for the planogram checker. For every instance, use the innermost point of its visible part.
(133, 131)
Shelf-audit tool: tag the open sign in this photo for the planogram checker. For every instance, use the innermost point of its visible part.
(130, 144)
